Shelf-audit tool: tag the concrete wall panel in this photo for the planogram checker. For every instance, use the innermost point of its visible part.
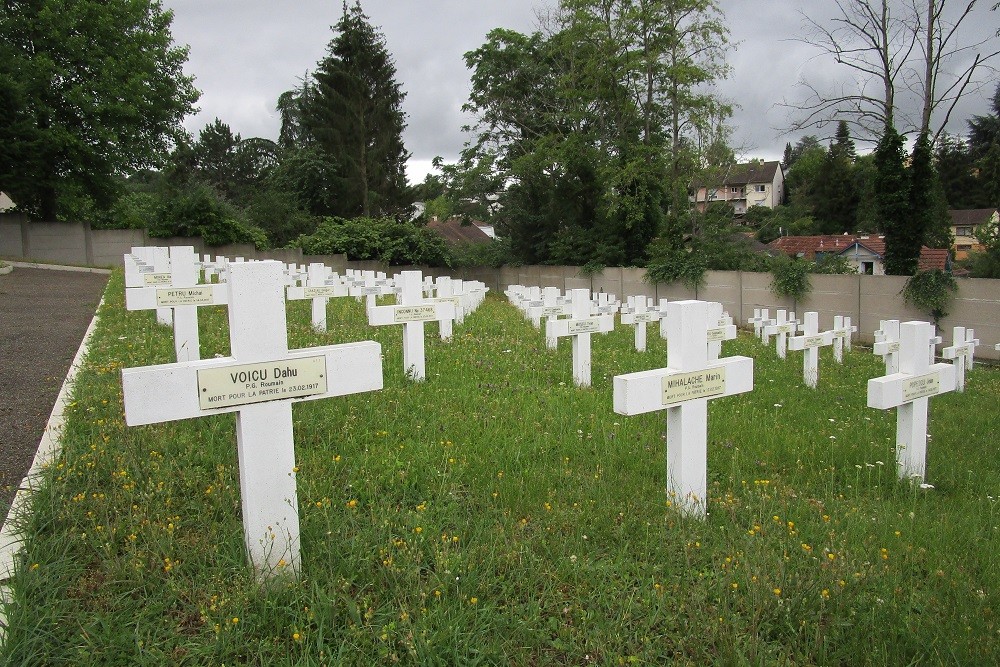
(59, 242)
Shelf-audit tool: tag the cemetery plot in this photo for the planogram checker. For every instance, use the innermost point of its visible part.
(525, 515)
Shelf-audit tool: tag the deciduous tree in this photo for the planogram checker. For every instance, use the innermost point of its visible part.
(93, 90)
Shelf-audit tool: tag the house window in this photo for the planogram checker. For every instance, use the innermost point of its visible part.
(713, 193)
(868, 268)
(963, 231)
(760, 188)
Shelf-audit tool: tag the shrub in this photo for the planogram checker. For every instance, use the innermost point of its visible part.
(382, 239)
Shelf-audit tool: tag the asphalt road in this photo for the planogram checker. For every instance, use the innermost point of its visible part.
(44, 315)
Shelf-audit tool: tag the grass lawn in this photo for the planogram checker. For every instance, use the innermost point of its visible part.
(496, 514)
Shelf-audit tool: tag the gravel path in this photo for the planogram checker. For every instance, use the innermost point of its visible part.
(44, 314)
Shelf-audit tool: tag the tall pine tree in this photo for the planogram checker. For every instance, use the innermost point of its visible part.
(928, 209)
(355, 116)
(837, 198)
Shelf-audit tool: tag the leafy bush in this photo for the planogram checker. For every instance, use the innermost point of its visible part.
(198, 211)
(495, 254)
(790, 277)
(931, 291)
(133, 210)
(382, 239)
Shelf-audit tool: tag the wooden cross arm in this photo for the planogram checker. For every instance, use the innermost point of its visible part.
(638, 393)
(168, 392)
(894, 390)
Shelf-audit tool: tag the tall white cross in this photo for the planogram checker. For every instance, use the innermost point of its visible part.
(842, 330)
(181, 295)
(155, 269)
(259, 381)
(757, 321)
(720, 328)
(764, 321)
(412, 311)
(640, 315)
(444, 292)
(811, 340)
(580, 326)
(550, 309)
(320, 287)
(887, 344)
(781, 328)
(907, 391)
(962, 350)
(683, 389)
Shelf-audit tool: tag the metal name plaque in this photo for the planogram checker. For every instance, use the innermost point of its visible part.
(260, 382)
(716, 334)
(402, 314)
(921, 386)
(319, 292)
(153, 279)
(680, 387)
(184, 296)
(812, 341)
(574, 327)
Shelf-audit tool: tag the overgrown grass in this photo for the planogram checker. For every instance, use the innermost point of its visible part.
(496, 514)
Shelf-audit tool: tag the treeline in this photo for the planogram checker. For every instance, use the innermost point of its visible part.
(587, 135)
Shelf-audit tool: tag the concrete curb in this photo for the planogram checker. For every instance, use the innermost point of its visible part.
(59, 267)
(48, 450)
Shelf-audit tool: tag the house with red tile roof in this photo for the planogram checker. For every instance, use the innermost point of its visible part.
(964, 225)
(865, 252)
(743, 186)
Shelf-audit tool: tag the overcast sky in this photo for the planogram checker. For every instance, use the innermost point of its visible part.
(244, 54)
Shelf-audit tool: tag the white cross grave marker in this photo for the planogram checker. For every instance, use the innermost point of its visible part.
(842, 331)
(259, 382)
(640, 315)
(320, 287)
(445, 293)
(961, 350)
(720, 328)
(412, 311)
(907, 391)
(757, 321)
(780, 327)
(181, 295)
(887, 344)
(580, 326)
(683, 389)
(810, 341)
(550, 309)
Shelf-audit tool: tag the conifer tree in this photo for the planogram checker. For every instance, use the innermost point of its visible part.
(355, 116)
(902, 240)
(928, 210)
